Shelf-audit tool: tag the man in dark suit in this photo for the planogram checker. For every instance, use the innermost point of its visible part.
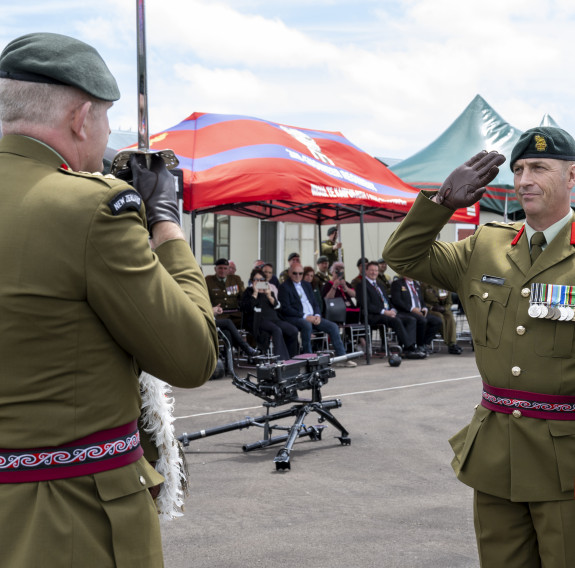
(299, 307)
(381, 311)
(407, 297)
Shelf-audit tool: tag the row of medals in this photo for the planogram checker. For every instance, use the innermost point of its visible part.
(551, 301)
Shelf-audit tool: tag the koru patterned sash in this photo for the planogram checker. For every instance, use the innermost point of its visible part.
(531, 404)
(102, 451)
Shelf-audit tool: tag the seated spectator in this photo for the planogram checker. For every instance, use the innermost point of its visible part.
(260, 306)
(358, 278)
(309, 276)
(225, 291)
(439, 303)
(299, 308)
(407, 297)
(381, 311)
(233, 335)
(322, 274)
(268, 270)
(337, 287)
(293, 258)
(231, 267)
(382, 277)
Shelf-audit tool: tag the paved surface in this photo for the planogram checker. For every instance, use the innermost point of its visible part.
(390, 499)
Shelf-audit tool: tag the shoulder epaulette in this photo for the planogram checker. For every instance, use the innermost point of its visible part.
(109, 179)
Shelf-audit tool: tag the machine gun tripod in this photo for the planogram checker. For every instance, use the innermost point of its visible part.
(278, 384)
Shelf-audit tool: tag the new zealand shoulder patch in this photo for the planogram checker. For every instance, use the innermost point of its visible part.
(128, 199)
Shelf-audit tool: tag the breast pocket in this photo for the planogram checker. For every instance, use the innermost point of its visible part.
(487, 304)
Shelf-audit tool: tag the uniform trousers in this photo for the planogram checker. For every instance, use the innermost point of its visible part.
(524, 535)
(448, 331)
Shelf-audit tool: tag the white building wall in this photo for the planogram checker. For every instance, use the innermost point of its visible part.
(245, 244)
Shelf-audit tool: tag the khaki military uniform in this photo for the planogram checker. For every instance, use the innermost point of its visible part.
(437, 299)
(84, 305)
(509, 456)
(228, 295)
(516, 458)
(331, 253)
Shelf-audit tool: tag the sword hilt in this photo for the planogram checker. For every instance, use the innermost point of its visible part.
(121, 159)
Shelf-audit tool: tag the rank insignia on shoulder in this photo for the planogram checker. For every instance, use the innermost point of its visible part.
(128, 199)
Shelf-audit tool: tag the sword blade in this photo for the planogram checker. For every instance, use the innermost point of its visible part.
(143, 132)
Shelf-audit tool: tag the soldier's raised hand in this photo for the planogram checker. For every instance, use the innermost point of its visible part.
(466, 184)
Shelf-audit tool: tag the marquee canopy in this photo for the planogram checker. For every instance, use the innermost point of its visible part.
(248, 166)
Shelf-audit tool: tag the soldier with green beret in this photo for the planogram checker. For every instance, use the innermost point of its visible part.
(331, 247)
(517, 284)
(85, 304)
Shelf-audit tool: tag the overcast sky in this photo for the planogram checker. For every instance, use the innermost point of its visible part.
(390, 75)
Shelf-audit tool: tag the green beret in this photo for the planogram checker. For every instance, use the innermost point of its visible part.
(544, 142)
(59, 60)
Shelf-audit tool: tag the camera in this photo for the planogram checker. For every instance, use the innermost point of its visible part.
(262, 285)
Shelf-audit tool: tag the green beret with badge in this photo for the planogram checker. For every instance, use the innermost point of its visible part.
(60, 60)
(544, 142)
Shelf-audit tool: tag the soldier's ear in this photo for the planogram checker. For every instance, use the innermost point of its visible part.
(78, 120)
(571, 175)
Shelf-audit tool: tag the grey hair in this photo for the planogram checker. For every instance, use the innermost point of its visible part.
(24, 103)
(335, 266)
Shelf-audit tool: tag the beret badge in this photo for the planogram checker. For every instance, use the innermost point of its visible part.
(540, 143)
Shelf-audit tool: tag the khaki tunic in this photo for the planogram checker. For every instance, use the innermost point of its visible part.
(331, 253)
(521, 459)
(227, 294)
(84, 305)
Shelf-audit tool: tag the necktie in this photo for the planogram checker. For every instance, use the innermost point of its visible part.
(413, 293)
(537, 241)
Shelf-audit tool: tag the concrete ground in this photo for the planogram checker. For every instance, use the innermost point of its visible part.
(390, 499)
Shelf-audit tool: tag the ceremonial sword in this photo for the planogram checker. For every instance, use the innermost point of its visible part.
(120, 161)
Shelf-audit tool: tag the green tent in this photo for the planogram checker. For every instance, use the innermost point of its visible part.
(478, 128)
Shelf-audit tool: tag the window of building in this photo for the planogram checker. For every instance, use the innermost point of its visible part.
(215, 237)
(301, 238)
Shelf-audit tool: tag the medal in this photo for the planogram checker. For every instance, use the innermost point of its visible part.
(534, 310)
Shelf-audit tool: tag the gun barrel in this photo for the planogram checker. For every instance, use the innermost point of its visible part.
(346, 357)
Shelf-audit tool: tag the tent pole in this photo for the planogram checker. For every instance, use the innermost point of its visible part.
(318, 239)
(364, 290)
(193, 233)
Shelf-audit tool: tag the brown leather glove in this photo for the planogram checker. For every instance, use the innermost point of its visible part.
(466, 184)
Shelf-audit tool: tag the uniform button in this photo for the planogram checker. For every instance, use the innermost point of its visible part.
(485, 295)
(142, 480)
(517, 414)
(520, 330)
(516, 371)
(525, 292)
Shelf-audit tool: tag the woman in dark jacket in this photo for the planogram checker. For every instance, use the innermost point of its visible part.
(260, 307)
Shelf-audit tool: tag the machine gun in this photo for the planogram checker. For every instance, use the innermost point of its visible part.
(279, 383)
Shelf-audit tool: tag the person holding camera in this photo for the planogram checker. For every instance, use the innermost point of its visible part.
(261, 306)
(338, 287)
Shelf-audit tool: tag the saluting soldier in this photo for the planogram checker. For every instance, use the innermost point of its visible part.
(517, 284)
(85, 304)
(225, 291)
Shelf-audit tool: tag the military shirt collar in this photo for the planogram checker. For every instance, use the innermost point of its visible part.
(551, 232)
